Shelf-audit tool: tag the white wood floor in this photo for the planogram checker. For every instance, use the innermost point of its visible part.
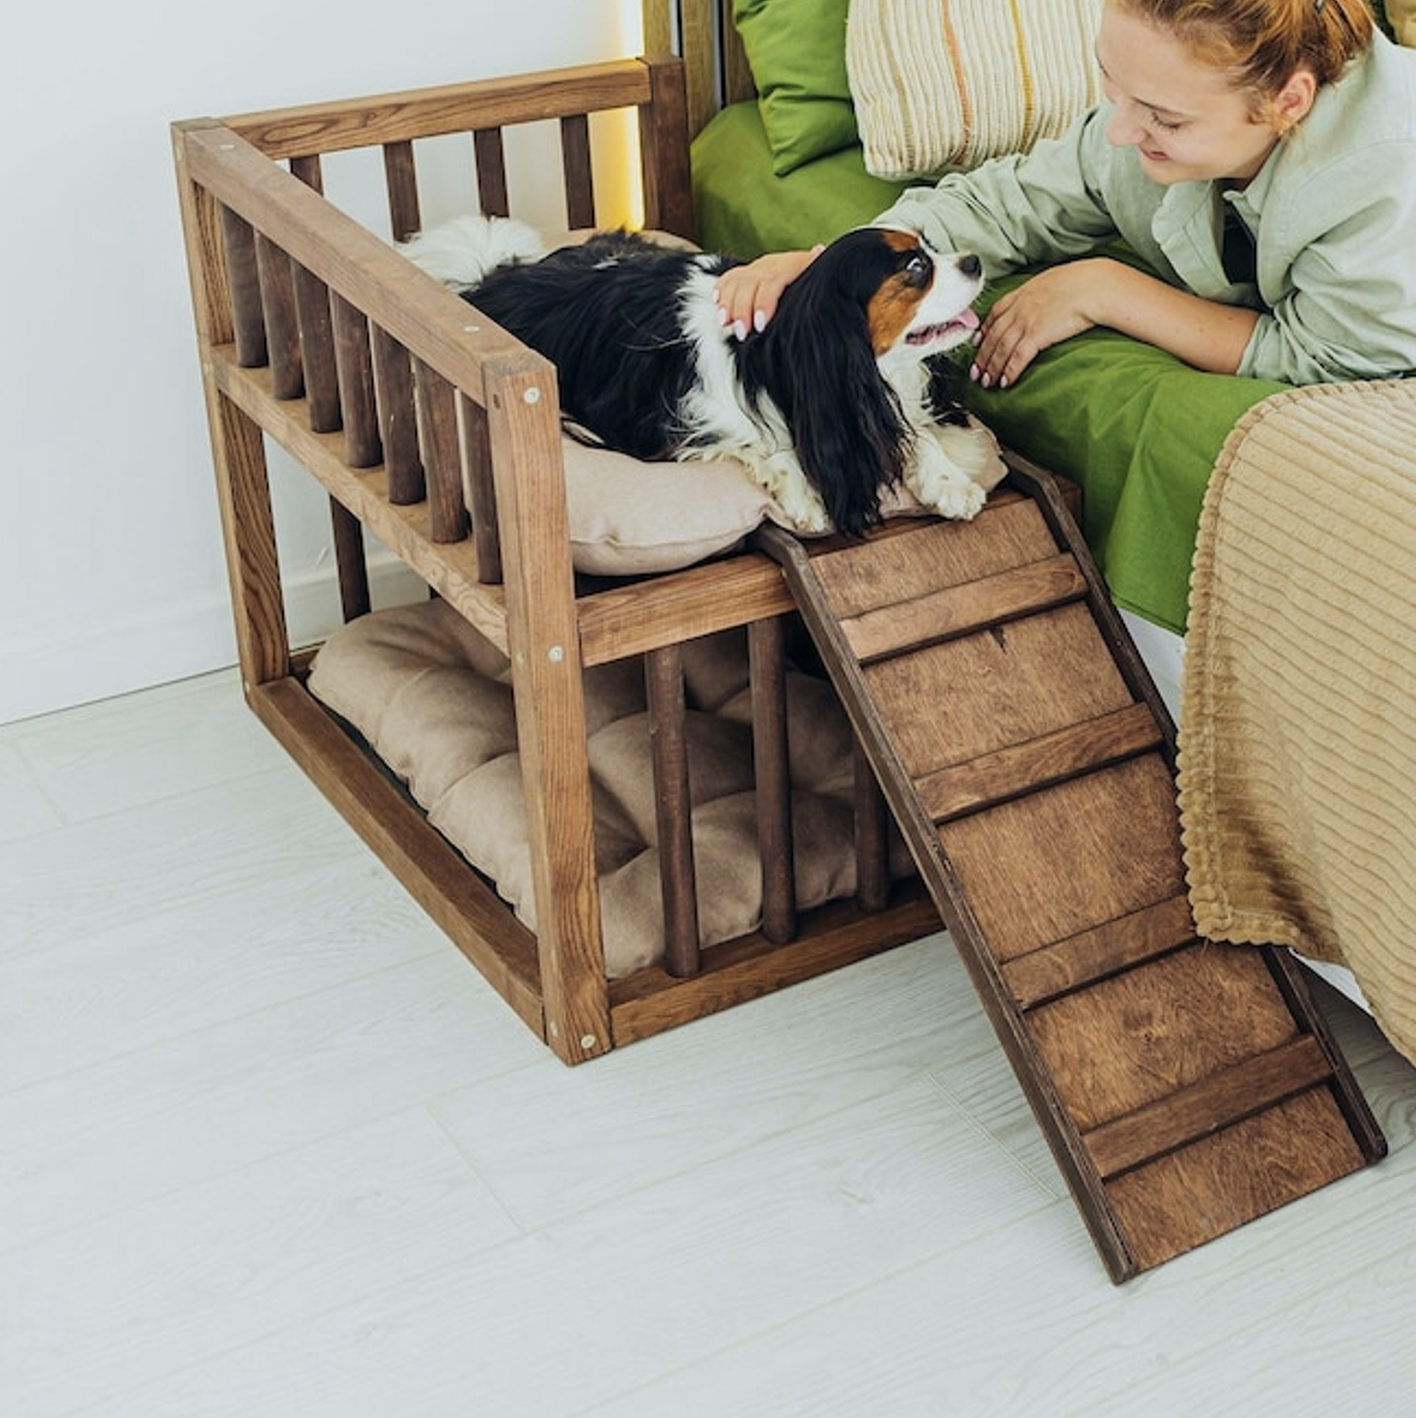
(269, 1148)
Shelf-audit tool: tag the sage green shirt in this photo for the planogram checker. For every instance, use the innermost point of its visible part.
(1332, 213)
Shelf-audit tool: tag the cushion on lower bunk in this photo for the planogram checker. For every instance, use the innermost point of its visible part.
(433, 699)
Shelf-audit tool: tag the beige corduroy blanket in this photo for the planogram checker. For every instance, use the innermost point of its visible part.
(1298, 717)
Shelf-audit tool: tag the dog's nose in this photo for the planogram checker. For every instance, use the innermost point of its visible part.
(970, 265)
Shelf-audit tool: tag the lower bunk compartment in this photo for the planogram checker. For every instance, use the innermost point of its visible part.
(641, 1001)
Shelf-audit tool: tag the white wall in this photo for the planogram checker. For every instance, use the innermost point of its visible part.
(111, 569)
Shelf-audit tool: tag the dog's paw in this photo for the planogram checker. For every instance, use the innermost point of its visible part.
(805, 510)
(960, 501)
(945, 492)
(780, 475)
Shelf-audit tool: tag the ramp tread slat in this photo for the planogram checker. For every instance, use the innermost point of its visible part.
(1062, 967)
(1043, 762)
(964, 609)
(1223, 1099)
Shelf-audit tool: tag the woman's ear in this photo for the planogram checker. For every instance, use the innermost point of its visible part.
(1294, 99)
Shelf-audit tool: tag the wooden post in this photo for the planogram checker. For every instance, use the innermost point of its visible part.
(238, 449)
(542, 631)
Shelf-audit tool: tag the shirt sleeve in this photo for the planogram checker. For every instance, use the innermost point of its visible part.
(1341, 301)
(1021, 210)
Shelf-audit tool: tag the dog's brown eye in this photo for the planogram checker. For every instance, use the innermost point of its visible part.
(918, 269)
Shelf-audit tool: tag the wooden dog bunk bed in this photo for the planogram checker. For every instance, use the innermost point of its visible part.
(1184, 1088)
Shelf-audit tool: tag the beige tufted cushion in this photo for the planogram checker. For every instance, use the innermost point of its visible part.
(433, 698)
(941, 84)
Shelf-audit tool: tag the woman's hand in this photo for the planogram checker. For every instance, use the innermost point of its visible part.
(747, 295)
(1065, 300)
(1053, 306)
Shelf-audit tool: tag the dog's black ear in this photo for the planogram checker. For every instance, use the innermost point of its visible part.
(815, 361)
(850, 433)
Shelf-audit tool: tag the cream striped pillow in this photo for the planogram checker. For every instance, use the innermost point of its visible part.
(947, 83)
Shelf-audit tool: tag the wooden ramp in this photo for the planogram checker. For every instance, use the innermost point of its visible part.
(1186, 1087)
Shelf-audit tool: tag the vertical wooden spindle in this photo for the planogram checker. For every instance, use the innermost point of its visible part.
(668, 730)
(872, 837)
(401, 180)
(243, 281)
(480, 490)
(579, 179)
(442, 454)
(313, 320)
(771, 770)
(317, 351)
(362, 447)
(398, 419)
(491, 172)
(287, 376)
(349, 560)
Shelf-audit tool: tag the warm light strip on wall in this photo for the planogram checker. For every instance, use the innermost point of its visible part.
(629, 199)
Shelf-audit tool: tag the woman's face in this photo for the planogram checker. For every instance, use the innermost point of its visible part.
(1182, 116)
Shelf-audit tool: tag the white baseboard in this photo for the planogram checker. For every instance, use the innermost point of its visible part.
(63, 667)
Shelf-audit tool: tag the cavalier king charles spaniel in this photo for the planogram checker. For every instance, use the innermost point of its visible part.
(836, 402)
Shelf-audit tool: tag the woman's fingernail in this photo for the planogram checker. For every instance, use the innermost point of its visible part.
(739, 330)
(1003, 382)
(987, 381)
(759, 320)
(973, 373)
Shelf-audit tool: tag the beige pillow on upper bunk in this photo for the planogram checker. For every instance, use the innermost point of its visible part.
(950, 84)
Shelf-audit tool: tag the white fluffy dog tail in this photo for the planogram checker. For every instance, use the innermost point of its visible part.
(464, 251)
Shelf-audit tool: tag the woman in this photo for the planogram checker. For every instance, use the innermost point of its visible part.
(1258, 155)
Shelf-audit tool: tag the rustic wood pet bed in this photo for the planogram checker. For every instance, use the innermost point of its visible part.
(1183, 1091)
(441, 437)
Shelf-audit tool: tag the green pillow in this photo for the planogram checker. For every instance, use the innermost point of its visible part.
(796, 50)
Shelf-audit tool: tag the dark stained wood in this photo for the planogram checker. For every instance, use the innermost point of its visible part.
(350, 564)
(354, 364)
(525, 435)
(1026, 767)
(1058, 968)
(401, 179)
(442, 455)
(248, 318)
(481, 489)
(579, 180)
(1219, 1100)
(316, 326)
(965, 609)
(770, 755)
(398, 418)
(1080, 853)
(923, 558)
(872, 836)
(988, 692)
(1222, 1182)
(281, 322)
(491, 172)
(663, 681)
(1034, 785)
